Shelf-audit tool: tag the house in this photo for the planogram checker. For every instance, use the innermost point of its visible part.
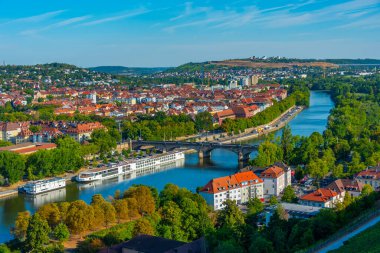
(343, 186)
(275, 179)
(322, 197)
(370, 176)
(28, 147)
(223, 115)
(239, 187)
(155, 244)
(83, 131)
(9, 131)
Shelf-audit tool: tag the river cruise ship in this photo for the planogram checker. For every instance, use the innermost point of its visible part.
(128, 166)
(41, 186)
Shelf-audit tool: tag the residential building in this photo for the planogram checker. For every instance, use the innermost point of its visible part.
(370, 176)
(239, 187)
(28, 148)
(275, 180)
(322, 197)
(344, 186)
(83, 131)
(9, 131)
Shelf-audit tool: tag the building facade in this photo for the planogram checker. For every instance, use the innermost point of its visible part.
(275, 180)
(239, 187)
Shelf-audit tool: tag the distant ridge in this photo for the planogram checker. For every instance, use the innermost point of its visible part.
(128, 71)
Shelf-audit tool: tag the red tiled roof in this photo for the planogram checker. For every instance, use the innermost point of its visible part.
(272, 172)
(320, 195)
(231, 182)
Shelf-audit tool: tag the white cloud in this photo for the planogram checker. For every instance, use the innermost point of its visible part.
(116, 17)
(36, 18)
(63, 23)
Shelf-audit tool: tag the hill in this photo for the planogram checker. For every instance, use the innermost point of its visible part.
(129, 71)
(365, 242)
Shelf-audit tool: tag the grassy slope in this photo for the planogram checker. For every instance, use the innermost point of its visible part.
(367, 241)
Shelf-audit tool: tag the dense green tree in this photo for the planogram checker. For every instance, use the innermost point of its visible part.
(203, 121)
(61, 232)
(289, 195)
(12, 166)
(104, 140)
(255, 206)
(287, 143)
(261, 245)
(37, 234)
(230, 215)
(268, 154)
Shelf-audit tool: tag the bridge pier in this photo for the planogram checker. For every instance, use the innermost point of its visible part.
(204, 154)
(243, 157)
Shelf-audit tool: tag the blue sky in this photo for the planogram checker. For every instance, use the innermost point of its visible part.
(172, 32)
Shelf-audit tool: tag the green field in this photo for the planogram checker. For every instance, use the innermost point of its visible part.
(367, 241)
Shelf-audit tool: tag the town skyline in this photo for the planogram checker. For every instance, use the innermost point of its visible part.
(173, 33)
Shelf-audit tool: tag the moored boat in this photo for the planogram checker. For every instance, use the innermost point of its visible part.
(132, 165)
(41, 186)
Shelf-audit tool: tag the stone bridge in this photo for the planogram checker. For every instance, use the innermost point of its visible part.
(203, 148)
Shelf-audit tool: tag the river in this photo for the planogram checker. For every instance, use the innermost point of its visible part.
(189, 174)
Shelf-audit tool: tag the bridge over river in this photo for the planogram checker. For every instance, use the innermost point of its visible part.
(204, 149)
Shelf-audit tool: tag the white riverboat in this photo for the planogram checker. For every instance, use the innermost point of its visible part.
(41, 186)
(128, 166)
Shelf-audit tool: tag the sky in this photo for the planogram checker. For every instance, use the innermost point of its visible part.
(171, 32)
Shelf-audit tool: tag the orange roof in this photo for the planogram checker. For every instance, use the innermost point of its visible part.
(231, 182)
(272, 172)
(373, 173)
(247, 177)
(225, 113)
(320, 195)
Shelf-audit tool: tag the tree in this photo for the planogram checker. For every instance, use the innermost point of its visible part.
(35, 129)
(273, 200)
(255, 206)
(12, 166)
(50, 212)
(287, 143)
(143, 196)
(21, 225)
(142, 226)
(4, 249)
(37, 234)
(104, 140)
(61, 232)
(121, 208)
(337, 171)
(366, 190)
(261, 245)
(109, 213)
(230, 216)
(289, 195)
(133, 211)
(203, 121)
(79, 217)
(268, 154)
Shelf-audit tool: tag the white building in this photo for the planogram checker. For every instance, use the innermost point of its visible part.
(370, 176)
(239, 187)
(275, 180)
(322, 197)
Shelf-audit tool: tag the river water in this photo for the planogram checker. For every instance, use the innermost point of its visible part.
(190, 173)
